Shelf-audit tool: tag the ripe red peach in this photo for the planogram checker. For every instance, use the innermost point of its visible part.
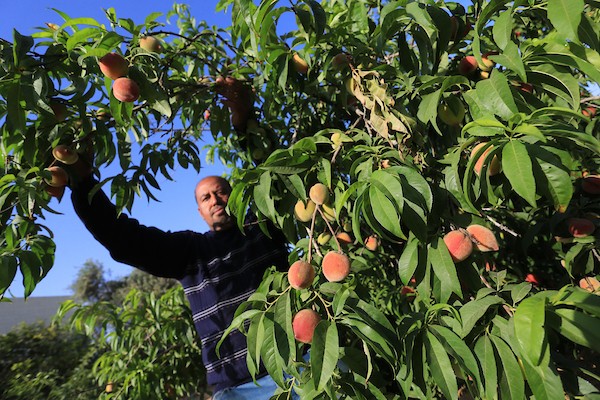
(531, 278)
(65, 154)
(494, 166)
(408, 292)
(590, 284)
(151, 44)
(484, 238)
(459, 245)
(372, 243)
(467, 65)
(299, 64)
(126, 90)
(319, 193)
(589, 111)
(58, 176)
(113, 65)
(301, 274)
(304, 323)
(304, 212)
(591, 184)
(336, 266)
(580, 227)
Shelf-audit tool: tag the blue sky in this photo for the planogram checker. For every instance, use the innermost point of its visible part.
(177, 209)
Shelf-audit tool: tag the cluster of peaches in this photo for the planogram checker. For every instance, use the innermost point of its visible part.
(335, 265)
(116, 67)
(57, 177)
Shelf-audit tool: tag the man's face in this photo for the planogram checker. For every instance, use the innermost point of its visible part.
(212, 194)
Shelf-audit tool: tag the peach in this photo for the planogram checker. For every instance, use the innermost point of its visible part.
(151, 44)
(323, 238)
(494, 166)
(299, 64)
(590, 283)
(580, 227)
(408, 292)
(65, 154)
(451, 115)
(58, 176)
(589, 111)
(487, 64)
(484, 238)
(339, 61)
(126, 90)
(103, 115)
(301, 274)
(304, 212)
(591, 184)
(206, 114)
(336, 266)
(113, 65)
(304, 323)
(459, 245)
(328, 212)
(319, 193)
(467, 65)
(336, 140)
(344, 238)
(372, 243)
(60, 110)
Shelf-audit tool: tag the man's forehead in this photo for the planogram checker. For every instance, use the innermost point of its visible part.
(212, 183)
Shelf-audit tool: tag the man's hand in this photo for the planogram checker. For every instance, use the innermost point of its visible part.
(239, 97)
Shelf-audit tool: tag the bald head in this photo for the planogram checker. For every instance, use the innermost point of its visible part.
(212, 193)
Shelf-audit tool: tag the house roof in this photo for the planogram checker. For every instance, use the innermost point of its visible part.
(29, 311)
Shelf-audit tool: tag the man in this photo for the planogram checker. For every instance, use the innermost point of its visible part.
(218, 269)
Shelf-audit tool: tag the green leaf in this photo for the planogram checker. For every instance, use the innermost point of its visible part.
(384, 211)
(519, 292)
(543, 379)
(512, 385)
(440, 366)
(565, 15)
(485, 354)
(262, 196)
(529, 328)
(558, 184)
(409, 259)
(511, 58)
(576, 326)
(575, 296)
(472, 311)
(270, 352)
(502, 29)
(496, 95)
(324, 353)
(8, 270)
(444, 268)
(517, 167)
(284, 334)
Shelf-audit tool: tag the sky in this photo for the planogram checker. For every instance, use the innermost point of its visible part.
(177, 209)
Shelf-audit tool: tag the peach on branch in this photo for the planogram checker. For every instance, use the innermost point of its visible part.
(372, 243)
(304, 323)
(60, 110)
(339, 61)
(336, 140)
(65, 154)
(467, 65)
(151, 44)
(299, 64)
(459, 245)
(494, 165)
(304, 212)
(591, 184)
(336, 266)
(451, 112)
(484, 238)
(58, 176)
(344, 238)
(589, 111)
(487, 65)
(319, 193)
(323, 238)
(301, 274)
(590, 284)
(113, 65)
(126, 90)
(580, 227)
(328, 212)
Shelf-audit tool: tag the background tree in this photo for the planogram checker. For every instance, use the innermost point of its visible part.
(435, 167)
(50, 362)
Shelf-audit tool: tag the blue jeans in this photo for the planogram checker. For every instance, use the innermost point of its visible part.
(250, 391)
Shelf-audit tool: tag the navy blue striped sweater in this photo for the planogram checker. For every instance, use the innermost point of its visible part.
(218, 271)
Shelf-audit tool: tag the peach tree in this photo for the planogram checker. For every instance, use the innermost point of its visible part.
(433, 164)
